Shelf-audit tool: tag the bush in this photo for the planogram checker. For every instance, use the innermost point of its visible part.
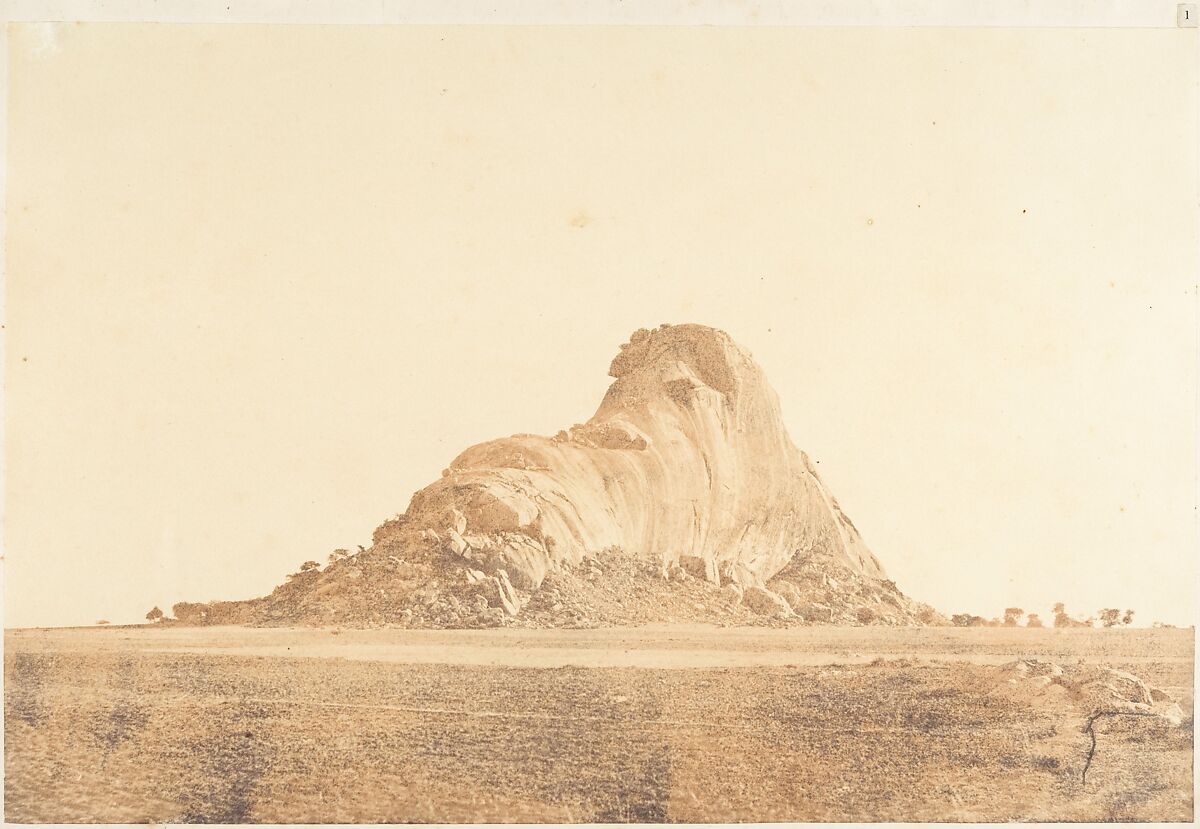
(191, 613)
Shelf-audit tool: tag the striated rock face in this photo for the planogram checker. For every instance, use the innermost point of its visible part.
(683, 498)
(687, 456)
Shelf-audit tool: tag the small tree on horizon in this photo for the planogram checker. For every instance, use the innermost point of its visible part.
(1012, 615)
(1034, 621)
(1110, 616)
(154, 615)
(1127, 619)
(1061, 619)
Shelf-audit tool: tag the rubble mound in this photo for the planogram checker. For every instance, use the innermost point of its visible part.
(1093, 690)
(682, 498)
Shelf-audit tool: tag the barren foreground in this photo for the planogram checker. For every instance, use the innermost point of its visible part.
(652, 724)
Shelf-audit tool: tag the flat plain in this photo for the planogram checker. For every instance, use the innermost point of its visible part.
(669, 723)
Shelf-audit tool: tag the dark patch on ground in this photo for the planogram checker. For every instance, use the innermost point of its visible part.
(127, 714)
(24, 681)
(229, 762)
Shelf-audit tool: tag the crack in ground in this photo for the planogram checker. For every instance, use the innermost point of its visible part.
(1091, 732)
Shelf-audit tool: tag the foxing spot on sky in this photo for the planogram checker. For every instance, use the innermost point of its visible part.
(263, 283)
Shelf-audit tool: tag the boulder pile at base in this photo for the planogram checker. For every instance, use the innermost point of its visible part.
(681, 499)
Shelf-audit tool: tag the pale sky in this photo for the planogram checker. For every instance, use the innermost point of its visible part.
(263, 283)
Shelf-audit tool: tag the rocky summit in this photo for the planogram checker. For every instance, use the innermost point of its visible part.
(682, 499)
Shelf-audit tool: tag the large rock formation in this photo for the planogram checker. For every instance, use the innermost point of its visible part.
(687, 456)
(685, 469)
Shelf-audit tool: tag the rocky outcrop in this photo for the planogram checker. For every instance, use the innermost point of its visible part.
(1093, 690)
(687, 456)
(1087, 697)
(686, 468)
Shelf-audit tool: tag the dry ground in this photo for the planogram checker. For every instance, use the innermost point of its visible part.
(649, 724)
